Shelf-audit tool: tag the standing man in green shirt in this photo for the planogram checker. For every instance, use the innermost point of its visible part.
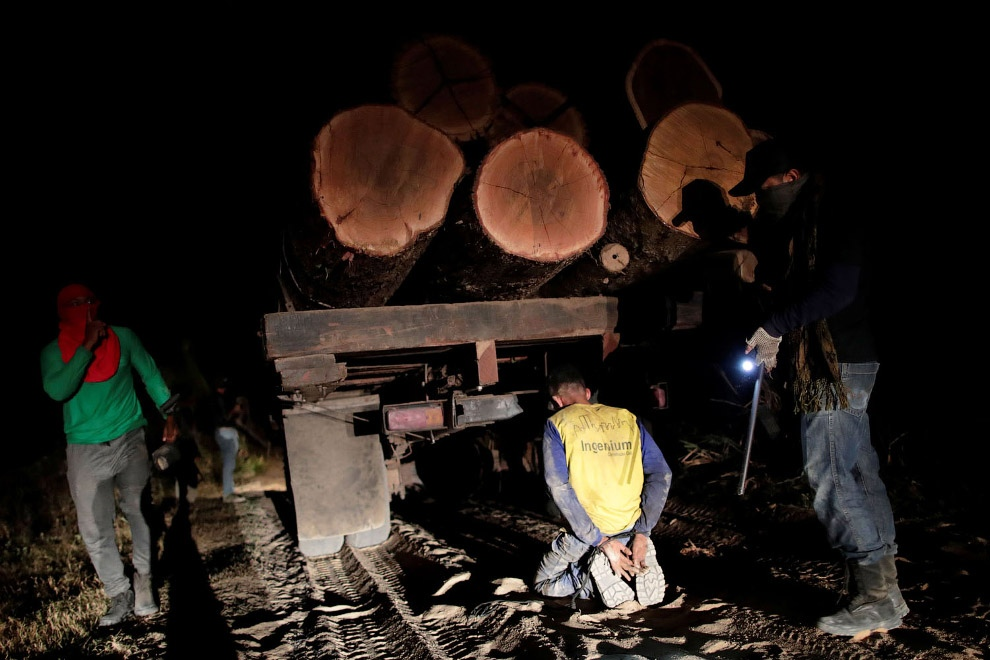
(90, 369)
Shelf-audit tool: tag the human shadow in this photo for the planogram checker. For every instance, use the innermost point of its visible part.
(704, 208)
(195, 626)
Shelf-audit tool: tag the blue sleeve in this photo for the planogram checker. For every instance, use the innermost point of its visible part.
(836, 291)
(656, 483)
(558, 482)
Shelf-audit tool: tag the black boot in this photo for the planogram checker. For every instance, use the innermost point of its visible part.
(889, 570)
(870, 608)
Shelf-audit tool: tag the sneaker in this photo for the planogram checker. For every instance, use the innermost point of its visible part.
(144, 596)
(612, 589)
(121, 606)
(234, 498)
(650, 585)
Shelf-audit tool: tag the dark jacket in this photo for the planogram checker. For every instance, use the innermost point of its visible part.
(224, 403)
(815, 262)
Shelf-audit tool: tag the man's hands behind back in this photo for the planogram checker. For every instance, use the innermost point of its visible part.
(622, 557)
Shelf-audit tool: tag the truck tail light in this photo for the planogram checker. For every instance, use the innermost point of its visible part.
(422, 416)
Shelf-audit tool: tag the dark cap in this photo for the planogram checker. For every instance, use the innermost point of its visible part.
(764, 160)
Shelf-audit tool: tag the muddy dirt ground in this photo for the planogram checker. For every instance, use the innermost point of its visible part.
(746, 578)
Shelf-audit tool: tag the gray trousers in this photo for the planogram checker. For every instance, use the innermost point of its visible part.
(94, 472)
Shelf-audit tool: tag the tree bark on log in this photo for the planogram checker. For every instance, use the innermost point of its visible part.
(636, 245)
(535, 105)
(539, 201)
(382, 181)
(488, 245)
(693, 155)
(447, 83)
(666, 74)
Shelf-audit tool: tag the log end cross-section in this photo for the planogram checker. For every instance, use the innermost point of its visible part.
(447, 83)
(535, 105)
(382, 178)
(665, 75)
(695, 142)
(539, 195)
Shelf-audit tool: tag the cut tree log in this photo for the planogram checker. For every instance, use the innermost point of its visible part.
(540, 196)
(539, 200)
(666, 74)
(694, 155)
(535, 105)
(447, 83)
(635, 246)
(382, 181)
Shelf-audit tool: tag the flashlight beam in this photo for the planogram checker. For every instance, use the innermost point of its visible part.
(749, 431)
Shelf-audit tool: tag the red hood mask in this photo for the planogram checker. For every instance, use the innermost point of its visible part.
(72, 332)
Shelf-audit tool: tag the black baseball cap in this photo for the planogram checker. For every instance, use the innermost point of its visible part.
(773, 156)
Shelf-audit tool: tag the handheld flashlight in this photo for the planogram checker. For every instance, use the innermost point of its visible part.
(748, 363)
(752, 421)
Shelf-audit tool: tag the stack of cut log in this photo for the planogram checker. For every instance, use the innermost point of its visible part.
(459, 192)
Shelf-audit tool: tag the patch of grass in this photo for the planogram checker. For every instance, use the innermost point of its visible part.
(63, 622)
(50, 597)
(252, 465)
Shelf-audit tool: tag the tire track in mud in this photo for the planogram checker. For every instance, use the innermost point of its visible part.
(367, 621)
(376, 617)
(285, 629)
(494, 611)
(453, 583)
(357, 605)
(444, 637)
(767, 613)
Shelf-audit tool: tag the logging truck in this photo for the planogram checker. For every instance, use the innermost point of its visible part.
(518, 246)
(363, 385)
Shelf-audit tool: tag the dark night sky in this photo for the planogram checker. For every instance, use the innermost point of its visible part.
(159, 152)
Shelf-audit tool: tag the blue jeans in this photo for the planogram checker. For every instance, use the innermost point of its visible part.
(561, 572)
(94, 473)
(229, 442)
(842, 468)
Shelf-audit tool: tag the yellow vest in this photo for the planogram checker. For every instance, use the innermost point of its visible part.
(604, 462)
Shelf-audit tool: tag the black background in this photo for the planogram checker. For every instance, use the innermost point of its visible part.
(159, 151)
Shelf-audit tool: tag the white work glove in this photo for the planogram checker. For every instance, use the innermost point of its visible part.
(766, 348)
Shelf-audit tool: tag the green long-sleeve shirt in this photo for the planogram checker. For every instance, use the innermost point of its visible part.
(99, 412)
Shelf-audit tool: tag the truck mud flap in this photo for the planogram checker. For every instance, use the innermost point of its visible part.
(338, 478)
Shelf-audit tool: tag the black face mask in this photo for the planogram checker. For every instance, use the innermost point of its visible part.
(775, 202)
